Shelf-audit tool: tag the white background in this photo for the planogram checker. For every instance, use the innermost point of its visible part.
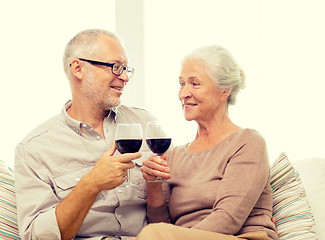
(33, 86)
(280, 45)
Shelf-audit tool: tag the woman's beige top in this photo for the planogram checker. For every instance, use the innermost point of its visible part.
(224, 189)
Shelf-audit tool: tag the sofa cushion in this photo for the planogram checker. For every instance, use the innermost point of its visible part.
(291, 210)
(312, 174)
(8, 215)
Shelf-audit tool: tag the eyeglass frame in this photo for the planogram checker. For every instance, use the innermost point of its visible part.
(111, 65)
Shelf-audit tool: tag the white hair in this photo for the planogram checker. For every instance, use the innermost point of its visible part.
(84, 43)
(222, 69)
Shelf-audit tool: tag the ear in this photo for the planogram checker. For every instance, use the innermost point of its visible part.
(75, 68)
(226, 93)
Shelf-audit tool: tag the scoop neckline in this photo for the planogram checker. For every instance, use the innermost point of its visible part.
(209, 148)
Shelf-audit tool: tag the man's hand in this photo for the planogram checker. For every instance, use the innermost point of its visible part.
(110, 171)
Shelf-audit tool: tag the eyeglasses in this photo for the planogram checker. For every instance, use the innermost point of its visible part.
(117, 68)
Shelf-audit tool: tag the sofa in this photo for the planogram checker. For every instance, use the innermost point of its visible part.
(8, 215)
(298, 199)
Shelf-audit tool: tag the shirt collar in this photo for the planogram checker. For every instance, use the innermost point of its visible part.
(75, 124)
(113, 113)
(72, 123)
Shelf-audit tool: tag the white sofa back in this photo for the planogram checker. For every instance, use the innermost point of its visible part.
(312, 174)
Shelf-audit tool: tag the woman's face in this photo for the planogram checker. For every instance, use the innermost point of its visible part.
(199, 95)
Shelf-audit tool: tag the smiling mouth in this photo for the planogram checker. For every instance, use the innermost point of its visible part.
(189, 105)
(117, 88)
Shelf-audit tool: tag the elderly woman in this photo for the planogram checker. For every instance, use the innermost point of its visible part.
(219, 184)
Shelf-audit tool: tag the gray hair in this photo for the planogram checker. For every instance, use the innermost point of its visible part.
(83, 43)
(222, 69)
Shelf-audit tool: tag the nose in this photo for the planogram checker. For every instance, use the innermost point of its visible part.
(184, 92)
(124, 76)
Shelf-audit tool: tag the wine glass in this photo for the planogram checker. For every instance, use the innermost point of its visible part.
(128, 139)
(157, 140)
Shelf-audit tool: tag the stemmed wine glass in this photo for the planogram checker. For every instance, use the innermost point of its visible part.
(157, 140)
(128, 139)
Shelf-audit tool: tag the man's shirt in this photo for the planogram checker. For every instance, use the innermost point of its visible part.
(55, 156)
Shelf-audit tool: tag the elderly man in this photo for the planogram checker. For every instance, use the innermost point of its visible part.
(69, 180)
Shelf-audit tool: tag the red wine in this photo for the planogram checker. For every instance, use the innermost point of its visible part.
(128, 145)
(159, 145)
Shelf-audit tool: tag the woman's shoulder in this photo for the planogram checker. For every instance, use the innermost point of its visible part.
(245, 137)
(250, 134)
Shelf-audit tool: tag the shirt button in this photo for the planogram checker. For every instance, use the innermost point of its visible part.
(120, 190)
(84, 125)
(98, 137)
(77, 179)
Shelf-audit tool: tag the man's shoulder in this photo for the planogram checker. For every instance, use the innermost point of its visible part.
(135, 111)
(42, 129)
(131, 108)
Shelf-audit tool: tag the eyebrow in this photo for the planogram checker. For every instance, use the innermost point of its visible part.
(190, 78)
(119, 61)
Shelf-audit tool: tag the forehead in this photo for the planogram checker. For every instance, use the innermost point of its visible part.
(194, 68)
(111, 49)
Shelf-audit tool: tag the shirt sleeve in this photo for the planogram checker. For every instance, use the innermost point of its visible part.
(35, 207)
(244, 180)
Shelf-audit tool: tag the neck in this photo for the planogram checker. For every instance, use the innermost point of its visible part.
(214, 128)
(212, 132)
(86, 112)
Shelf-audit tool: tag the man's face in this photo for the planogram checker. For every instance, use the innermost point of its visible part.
(99, 84)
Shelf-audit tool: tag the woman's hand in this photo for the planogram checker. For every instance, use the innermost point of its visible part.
(155, 166)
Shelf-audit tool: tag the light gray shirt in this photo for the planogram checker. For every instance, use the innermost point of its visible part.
(55, 156)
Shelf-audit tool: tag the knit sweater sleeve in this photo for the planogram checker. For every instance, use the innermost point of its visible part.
(161, 213)
(158, 214)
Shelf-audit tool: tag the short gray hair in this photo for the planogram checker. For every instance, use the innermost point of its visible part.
(83, 43)
(223, 69)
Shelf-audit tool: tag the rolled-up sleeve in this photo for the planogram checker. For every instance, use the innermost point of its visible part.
(36, 201)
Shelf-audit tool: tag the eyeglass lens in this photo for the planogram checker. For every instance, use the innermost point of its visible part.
(118, 69)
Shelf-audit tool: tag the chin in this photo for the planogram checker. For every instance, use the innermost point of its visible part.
(112, 104)
(188, 118)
